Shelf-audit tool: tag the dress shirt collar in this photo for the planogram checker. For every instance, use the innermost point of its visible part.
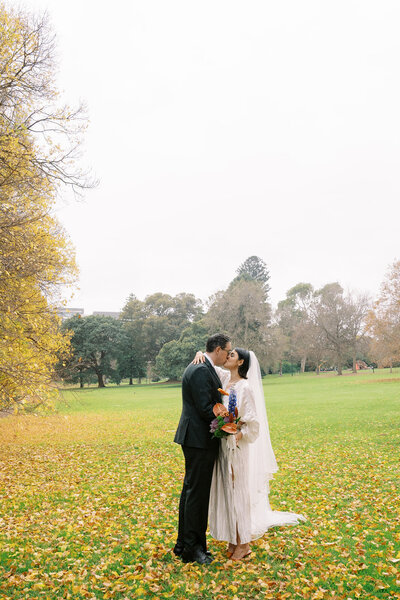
(208, 357)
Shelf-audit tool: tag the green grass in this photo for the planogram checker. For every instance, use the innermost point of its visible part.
(89, 496)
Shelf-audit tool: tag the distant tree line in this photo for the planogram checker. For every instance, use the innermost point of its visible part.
(311, 329)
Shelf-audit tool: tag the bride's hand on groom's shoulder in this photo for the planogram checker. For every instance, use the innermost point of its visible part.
(199, 358)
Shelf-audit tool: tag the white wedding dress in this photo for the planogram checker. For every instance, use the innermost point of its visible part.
(239, 489)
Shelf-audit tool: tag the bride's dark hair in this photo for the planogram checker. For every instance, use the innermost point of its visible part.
(245, 356)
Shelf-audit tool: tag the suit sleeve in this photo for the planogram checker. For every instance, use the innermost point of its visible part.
(202, 388)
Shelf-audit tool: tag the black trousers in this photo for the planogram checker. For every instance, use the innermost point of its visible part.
(195, 495)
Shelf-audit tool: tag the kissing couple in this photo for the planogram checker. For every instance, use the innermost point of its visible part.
(226, 480)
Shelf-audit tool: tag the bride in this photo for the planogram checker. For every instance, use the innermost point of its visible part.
(239, 509)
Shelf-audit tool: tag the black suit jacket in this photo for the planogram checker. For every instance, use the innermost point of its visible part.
(200, 385)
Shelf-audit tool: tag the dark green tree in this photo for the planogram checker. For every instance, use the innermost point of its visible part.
(97, 343)
(254, 268)
(175, 355)
(132, 362)
(165, 319)
(73, 369)
(151, 323)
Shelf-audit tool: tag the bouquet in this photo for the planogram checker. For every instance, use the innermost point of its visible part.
(226, 420)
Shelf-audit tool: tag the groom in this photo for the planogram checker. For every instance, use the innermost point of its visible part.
(200, 385)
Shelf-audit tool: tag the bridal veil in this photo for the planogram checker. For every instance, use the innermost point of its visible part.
(263, 465)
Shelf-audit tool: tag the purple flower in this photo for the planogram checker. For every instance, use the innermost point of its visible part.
(213, 425)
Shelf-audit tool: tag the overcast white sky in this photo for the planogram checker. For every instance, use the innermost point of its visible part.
(222, 129)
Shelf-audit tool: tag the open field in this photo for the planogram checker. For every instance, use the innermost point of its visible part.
(89, 496)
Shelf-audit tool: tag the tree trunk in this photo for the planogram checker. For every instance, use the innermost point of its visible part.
(280, 369)
(100, 379)
(339, 365)
(130, 381)
(80, 381)
(139, 380)
(303, 364)
(354, 364)
(318, 369)
(391, 367)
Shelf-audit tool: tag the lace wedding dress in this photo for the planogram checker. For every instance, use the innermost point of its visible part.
(239, 489)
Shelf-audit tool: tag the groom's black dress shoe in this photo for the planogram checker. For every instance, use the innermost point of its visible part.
(178, 549)
(196, 555)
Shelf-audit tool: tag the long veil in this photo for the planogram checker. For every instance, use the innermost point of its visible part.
(263, 465)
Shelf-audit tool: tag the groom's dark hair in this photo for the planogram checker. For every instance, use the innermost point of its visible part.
(218, 339)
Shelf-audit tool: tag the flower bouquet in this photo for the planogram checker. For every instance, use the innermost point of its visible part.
(225, 422)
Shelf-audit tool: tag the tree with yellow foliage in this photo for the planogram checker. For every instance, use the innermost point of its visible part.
(39, 141)
(384, 320)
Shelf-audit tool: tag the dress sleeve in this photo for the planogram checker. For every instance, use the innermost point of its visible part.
(224, 376)
(248, 414)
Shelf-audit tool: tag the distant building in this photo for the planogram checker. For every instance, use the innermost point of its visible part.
(100, 313)
(65, 312)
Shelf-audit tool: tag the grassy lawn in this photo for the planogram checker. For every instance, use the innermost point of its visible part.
(89, 496)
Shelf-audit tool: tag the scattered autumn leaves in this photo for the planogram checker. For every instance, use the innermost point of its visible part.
(89, 504)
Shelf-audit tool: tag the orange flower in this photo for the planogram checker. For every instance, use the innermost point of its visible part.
(229, 428)
(219, 410)
(223, 392)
